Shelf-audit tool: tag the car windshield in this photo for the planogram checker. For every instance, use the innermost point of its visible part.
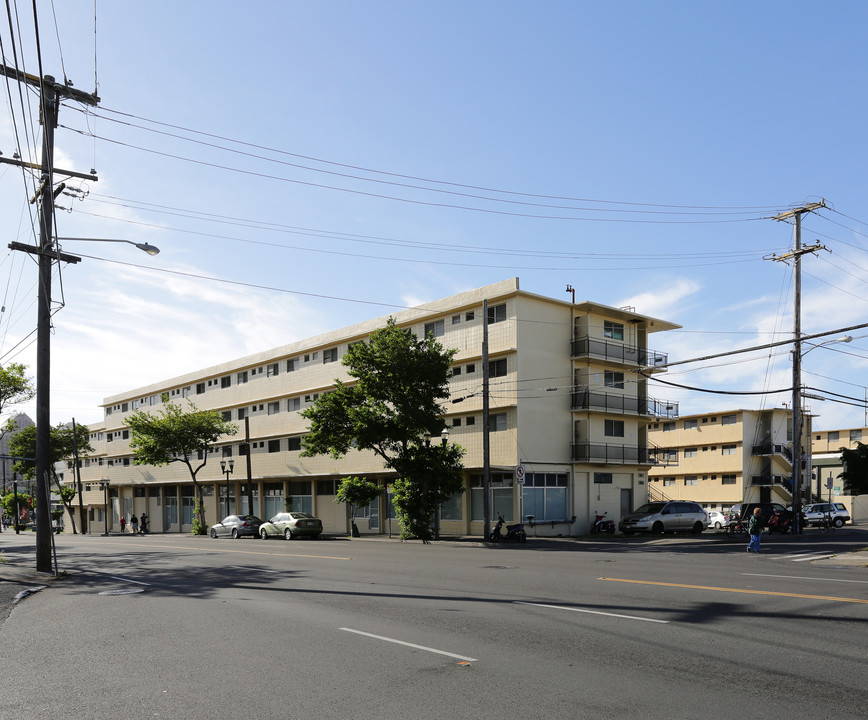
(250, 518)
(654, 507)
(300, 515)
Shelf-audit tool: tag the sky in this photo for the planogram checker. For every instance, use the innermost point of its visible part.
(306, 166)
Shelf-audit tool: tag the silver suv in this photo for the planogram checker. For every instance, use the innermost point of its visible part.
(836, 513)
(665, 516)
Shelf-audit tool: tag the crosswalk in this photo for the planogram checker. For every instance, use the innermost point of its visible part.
(802, 556)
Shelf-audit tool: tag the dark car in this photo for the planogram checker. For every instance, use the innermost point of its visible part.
(775, 516)
(237, 526)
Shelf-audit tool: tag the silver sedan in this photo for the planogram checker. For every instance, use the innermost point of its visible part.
(236, 526)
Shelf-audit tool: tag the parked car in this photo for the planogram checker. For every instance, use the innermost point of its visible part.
(816, 513)
(291, 525)
(775, 516)
(236, 526)
(717, 520)
(660, 517)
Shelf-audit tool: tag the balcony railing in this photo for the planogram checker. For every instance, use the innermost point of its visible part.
(662, 456)
(617, 352)
(768, 479)
(773, 449)
(583, 399)
(610, 454)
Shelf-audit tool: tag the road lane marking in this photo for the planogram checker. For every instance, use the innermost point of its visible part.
(412, 645)
(736, 590)
(123, 579)
(798, 577)
(591, 612)
(813, 557)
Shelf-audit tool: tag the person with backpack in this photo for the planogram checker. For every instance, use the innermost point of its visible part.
(134, 524)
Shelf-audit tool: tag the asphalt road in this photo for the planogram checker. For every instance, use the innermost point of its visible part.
(668, 628)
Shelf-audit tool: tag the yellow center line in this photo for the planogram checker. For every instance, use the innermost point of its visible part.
(240, 552)
(736, 590)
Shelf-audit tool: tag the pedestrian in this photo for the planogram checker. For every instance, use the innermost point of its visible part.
(143, 523)
(134, 525)
(123, 523)
(755, 530)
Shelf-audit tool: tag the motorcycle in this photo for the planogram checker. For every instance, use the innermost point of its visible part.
(514, 533)
(601, 525)
(778, 522)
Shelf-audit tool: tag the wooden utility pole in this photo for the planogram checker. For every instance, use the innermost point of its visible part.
(486, 447)
(50, 92)
(796, 255)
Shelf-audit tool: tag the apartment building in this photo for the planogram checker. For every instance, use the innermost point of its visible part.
(721, 458)
(568, 422)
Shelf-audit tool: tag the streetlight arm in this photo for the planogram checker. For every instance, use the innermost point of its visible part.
(144, 247)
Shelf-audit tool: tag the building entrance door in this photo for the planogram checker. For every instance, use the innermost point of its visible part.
(626, 501)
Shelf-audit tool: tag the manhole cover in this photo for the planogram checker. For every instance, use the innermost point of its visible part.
(125, 591)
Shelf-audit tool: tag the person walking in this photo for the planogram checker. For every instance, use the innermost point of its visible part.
(134, 524)
(143, 523)
(123, 523)
(755, 530)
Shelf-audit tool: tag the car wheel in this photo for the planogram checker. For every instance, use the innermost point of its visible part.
(657, 528)
(838, 522)
(234, 533)
(263, 534)
(697, 528)
(287, 534)
(213, 534)
(717, 525)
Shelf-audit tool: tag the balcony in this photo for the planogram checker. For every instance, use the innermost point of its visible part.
(616, 352)
(773, 449)
(662, 456)
(582, 399)
(767, 479)
(608, 454)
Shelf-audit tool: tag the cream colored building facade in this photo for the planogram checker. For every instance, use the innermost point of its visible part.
(566, 404)
(722, 458)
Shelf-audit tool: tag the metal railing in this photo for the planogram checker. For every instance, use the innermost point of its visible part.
(606, 453)
(584, 399)
(617, 352)
(773, 449)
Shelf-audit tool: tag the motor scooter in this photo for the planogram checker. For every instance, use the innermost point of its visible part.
(514, 533)
(601, 525)
(778, 522)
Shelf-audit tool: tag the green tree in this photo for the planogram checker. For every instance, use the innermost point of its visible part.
(358, 492)
(178, 436)
(25, 502)
(399, 383)
(15, 386)
(855, 473)
(62, 443)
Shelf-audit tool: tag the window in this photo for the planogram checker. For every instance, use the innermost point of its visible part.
(545, 496)
(242, 413)
(614, 379)
(728, 419)
(200, 388)
(273, 446)
(470, 420)
(329, 356)
(469, 315)
(614, 428)
(456, 370)
(241, 377)
(436, 328)
(226, 415)
(292, 365)
(470, 368)
(604, 478)
(456, 319)
(855, 436)
(727, 449)
(293, 404)
(273, 369)
(691, 452)
(668, 426)
(227, 451)
(668, 482)
(496, 313)
(727, 479)
(834, 436)
(226, 382)
(294, 443)
(497, 422)
(690, 424)
(456, 422)
(613, 330)
(497, 368)
(690, 480)
(274, 407)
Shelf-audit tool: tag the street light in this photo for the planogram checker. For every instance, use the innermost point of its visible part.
(798, 470)
(104, 484)
(145, 247)
(227, 466)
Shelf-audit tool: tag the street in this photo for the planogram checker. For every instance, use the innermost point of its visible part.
(673, 627)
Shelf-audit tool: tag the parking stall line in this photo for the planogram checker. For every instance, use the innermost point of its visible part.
(411, 645)
(592, 612)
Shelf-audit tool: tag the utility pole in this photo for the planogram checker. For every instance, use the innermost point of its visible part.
(50, 92)
(486, 447)
(796, 256)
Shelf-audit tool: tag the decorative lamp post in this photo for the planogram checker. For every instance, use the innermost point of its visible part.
(227, 467)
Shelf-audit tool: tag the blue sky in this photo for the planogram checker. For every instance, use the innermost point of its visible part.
(304, 166)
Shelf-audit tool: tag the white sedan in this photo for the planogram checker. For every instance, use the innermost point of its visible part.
(716, 520)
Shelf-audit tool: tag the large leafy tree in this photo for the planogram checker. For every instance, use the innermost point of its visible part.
(855, 473)
(63, 443)
(393, 401)
(15, 386)
(176, 435)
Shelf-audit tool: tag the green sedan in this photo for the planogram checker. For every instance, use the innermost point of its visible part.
(291, 525)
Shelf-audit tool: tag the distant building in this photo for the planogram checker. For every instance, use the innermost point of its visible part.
(566, 404)
(20, 421)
